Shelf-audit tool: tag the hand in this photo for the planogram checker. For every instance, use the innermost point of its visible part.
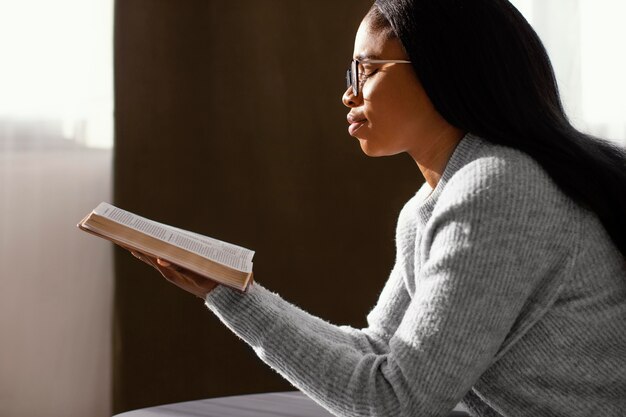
(183, 278)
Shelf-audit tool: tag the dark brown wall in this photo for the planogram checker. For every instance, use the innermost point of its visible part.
(229, 123)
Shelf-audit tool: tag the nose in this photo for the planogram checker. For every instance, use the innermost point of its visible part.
(349, 100)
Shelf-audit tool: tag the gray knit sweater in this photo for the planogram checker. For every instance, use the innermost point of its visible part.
(505, 295)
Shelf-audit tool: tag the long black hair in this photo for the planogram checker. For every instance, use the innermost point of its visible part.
(486, 71)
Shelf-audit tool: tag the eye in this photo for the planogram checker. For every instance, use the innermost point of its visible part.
(366, 74)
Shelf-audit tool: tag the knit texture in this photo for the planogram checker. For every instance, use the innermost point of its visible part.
(505, 295)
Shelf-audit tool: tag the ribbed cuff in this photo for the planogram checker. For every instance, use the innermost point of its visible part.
(251, 315)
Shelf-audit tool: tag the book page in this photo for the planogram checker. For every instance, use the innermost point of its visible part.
(225, 253)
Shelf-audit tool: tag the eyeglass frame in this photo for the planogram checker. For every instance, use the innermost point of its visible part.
(354, 69)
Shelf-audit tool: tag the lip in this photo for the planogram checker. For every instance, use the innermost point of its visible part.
(355, 124)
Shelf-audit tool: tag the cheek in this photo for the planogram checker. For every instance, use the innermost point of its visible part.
(399, 108)
(392, 111)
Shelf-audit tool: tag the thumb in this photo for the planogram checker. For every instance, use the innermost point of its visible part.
(163, 263)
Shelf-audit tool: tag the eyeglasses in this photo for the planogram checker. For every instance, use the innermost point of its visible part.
(352, 75)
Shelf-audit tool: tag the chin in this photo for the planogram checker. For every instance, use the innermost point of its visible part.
(370, 150)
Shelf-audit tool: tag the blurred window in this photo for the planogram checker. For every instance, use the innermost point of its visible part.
(585, 41)
(56, 75)
(56, 138)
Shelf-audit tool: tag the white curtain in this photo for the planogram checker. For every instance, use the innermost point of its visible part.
(55, 165)
(585, 41)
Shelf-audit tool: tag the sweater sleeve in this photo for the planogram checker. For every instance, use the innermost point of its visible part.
(260, 315)
(489, 243)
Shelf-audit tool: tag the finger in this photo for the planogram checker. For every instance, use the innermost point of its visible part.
(164, 263)
(168, 273)
(144, 258)
(180, 279)
(189, 281)
(140, 256)
(169, 269)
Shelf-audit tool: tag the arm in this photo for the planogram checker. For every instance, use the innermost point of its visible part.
(371, 340)
(485, 250)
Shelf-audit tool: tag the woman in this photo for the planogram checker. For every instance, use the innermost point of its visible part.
(509, 288)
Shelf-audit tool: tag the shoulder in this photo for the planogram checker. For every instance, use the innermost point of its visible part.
(505, 196)
(502, 176)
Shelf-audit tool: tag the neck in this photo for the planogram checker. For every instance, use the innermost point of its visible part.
(433, 158)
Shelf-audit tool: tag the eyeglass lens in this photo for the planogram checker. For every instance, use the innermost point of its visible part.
(352, 77)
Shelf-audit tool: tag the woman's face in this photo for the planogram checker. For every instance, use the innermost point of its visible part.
(392, 113)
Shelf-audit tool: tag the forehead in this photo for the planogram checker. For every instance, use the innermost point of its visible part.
(370, 43)
(367, 42)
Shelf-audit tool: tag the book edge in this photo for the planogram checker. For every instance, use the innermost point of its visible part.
(245, 276)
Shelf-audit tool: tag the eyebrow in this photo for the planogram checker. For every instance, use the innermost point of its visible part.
(362, 57)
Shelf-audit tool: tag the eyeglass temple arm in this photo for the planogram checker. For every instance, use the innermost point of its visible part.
(384, 61)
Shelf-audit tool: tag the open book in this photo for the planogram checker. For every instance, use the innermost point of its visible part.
(223, 262)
